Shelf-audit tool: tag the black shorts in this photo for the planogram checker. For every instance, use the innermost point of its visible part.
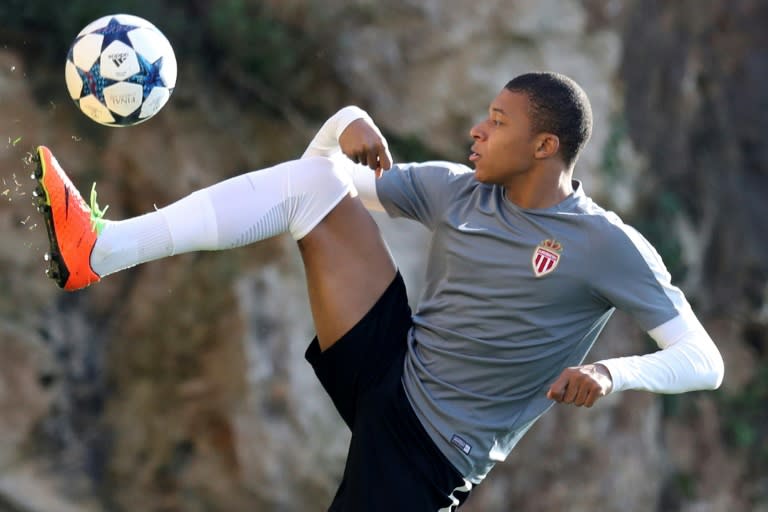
(392, 464)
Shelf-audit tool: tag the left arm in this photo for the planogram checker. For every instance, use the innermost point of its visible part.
(633, 278)
(688, 361)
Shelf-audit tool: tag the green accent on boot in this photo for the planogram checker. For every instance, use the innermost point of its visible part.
(98, 222)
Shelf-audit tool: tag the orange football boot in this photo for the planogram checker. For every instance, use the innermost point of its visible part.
(71, 224)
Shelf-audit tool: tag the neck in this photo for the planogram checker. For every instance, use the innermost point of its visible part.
(543, 191)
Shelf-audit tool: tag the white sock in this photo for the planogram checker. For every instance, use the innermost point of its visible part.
(291, 197)
(125, 243)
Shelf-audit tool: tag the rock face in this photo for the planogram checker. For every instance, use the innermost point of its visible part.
(180, 385)
(442, 62)
(706, 178)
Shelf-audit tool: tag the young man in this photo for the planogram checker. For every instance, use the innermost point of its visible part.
(524, 271)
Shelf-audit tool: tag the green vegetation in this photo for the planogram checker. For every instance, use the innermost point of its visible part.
(653, 215)
(611, 163)
(241, 43)
(745, 420)
(653, 220)
(47, 28)
(410, 149)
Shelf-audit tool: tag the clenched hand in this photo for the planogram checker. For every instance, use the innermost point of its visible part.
(364, 144)
(581, 385)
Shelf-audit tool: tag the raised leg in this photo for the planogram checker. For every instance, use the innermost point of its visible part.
(348, 267)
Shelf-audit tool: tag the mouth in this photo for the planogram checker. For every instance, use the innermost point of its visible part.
(474, 156)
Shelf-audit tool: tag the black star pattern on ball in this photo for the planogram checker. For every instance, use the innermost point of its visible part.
(115, 31)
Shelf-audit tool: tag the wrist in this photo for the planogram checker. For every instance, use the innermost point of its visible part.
(603, 370)
(344, 117)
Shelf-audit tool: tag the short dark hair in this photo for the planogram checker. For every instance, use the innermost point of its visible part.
(558, 106)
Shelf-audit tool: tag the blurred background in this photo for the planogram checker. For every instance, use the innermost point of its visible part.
(180, 385)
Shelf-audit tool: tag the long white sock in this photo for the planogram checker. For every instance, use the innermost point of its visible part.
(291, 197)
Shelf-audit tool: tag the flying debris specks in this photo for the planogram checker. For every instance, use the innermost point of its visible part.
(14, 191)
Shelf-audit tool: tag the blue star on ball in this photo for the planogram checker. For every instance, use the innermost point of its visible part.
(149, 76)
(115, 31)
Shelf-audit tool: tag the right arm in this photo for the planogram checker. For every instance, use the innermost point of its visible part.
(352, 132)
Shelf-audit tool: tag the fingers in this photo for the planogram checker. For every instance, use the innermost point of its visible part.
(574, 394)
(385, 158)
(372, 158)
(557, 389)
(582, 396)
(580, 386)
(364, 144)
(591, 398)
(376, 157)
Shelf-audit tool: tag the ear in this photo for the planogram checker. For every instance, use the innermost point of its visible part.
(547, 145)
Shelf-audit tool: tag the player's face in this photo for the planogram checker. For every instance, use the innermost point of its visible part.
(504, 145)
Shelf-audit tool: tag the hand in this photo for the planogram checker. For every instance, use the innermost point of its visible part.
(581, 385)
(364, 144)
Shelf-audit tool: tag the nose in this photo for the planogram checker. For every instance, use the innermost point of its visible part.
(476, 132)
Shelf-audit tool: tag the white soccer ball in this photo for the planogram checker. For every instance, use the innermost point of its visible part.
(120, 70)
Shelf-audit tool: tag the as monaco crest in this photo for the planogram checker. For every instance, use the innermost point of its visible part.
(546, 256)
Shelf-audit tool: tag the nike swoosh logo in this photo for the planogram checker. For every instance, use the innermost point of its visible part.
(467, 228)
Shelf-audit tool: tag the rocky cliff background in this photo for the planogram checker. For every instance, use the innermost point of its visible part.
(180, 385)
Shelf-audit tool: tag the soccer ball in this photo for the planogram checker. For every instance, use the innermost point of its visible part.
(120, 70)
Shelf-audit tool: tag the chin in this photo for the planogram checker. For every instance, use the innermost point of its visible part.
(483, 178)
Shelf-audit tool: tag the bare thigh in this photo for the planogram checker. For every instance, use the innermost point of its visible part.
(348, 267)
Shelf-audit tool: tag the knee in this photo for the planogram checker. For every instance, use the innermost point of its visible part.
(319, 173)
(317, 186)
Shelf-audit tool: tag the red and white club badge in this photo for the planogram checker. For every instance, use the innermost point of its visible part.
(546, 256)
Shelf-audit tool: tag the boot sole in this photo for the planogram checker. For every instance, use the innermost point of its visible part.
(57, 269)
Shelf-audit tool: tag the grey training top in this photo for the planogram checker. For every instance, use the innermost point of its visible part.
(512, 297)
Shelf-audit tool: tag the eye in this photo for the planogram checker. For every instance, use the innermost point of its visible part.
(496, 122)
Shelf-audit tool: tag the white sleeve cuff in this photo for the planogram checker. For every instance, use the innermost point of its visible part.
(326, 141)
